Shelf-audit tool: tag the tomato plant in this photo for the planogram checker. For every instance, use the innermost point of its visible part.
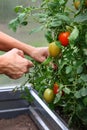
(63, 38)
(55, 17)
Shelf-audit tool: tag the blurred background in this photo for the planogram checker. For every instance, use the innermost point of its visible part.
(6, 15)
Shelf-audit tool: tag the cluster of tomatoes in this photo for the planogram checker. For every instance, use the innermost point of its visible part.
(54, 51)
(49, 94)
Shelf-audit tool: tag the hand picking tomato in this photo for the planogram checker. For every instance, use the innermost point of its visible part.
(55, 88)
(48, 95)
(54, 50)
(63, 38)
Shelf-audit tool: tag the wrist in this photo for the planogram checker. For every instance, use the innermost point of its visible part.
(29, 50)
(3, 64)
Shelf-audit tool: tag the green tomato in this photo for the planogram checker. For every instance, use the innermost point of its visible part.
(48, 95)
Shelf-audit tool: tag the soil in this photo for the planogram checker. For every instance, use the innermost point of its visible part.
(22, 122)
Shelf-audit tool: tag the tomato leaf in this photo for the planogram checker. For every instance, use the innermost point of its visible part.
(79, 69)
(68, 69)
(37, 29)
(81, 93)
(74, 34)
(13, 24)
(84, 77)
(82, 17)
(57, 98)
(58, 44)
(66, 90)
(47, 61)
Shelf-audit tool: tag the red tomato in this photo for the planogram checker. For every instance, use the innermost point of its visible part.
(55, 88)
(63, 38)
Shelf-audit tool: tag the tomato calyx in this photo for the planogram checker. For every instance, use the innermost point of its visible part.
(63, 38)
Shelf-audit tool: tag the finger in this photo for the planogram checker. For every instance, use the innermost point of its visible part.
(21, 53)
(30, 64)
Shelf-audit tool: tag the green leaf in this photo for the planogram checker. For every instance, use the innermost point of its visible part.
(85, 101)
(77, 94)
(21, 17)
(37, 29)
(18, 8)
(61, 2)
(48, 36)
(86, 38)
(58, 43)
(79, 69)
(74, 34)
(55, 23)
(66, 90)
(68, 69)
(13, 24)
(62, 17)
(47, 61)
(24, 23)
(82, 17)
(84, 77)
(81, 93)
(57, 98)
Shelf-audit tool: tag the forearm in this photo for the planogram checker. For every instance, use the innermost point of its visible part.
(7, 43)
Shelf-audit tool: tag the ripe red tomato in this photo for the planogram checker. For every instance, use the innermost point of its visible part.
(55, 88)
(63, 38)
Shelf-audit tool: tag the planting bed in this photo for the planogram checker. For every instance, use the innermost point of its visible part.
(21, 122)
(18, 114)
(14, 112)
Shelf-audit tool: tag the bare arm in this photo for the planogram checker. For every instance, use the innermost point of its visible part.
(7, 43)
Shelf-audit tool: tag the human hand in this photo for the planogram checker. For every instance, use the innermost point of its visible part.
(40, 54)
(14, 64)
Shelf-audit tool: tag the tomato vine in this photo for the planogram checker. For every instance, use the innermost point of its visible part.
(56, 16)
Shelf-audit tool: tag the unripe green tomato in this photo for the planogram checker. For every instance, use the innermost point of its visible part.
(48, 95)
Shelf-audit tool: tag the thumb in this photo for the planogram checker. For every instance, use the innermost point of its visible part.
(20, 53)
(30, 64)
(42, 59)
